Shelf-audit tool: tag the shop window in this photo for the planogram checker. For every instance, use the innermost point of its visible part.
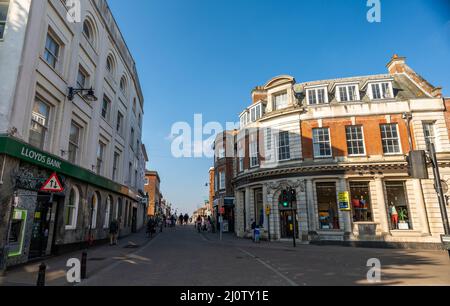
(259, 207)
(360, 199)
(327, 206)
(108, 214)
(399, 213)
(4, 4)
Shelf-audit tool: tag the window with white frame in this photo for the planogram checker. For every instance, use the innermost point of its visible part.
(355, 140)
(4, 5)
(82, 78)
(106, 106)
(317, 96)
(254, 158)
(222, 180)
(429, 134)
(71, 212)
(322, 142)
(268, 139)
(108, 214)
(255, 113)
(39, 128)
(241, 157)
(280, 101)
(382, 90)
(100, 157)
(284, 150)
(74, 142)
(347, 93)
(52, 50)
(244, 120)
(390, 139)
(116, 160)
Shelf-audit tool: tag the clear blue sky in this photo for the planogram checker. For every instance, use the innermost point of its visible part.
(205, 56)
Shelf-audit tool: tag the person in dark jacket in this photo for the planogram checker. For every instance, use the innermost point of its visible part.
(151, 227)
(113, 231)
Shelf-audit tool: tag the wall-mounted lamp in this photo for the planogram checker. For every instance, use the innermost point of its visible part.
(88, 96)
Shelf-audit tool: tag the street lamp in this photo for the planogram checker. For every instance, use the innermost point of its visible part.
(88, 96)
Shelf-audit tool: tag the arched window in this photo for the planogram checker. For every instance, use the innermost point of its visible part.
(134, 106)
(123, 85)
(108, 214)
(110, 65)
(71, 213)
(94, 210)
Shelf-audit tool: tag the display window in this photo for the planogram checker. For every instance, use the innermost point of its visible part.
(360, 202)
(398, 209)
(327, 206)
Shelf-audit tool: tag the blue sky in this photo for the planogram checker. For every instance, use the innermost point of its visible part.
(205, 56)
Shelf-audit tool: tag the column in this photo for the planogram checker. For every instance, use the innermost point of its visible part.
(344, 216)
(421, 208)
(248, 216)
(381, 204)
(312, 217)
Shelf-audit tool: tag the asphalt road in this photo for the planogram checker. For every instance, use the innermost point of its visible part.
(183, 257)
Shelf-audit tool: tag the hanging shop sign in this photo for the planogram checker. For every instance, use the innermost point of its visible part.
(53, 184)
(268, 210)
(344, 201)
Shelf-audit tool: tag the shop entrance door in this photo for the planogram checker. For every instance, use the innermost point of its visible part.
(41, 226)
(286, 224)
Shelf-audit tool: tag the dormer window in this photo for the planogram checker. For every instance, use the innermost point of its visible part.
(244, 120)
(255, 113)
(382, 90)
(317, 96)
(347, 93)
(280, 101)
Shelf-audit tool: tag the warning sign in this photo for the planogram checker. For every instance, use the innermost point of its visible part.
(52, 184)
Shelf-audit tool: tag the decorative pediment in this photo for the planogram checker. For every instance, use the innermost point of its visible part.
(279, 80)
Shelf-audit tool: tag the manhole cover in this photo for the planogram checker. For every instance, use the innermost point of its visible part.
(97, 258)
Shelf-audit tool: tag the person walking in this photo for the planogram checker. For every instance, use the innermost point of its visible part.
(186, 219)
(113, 231)
(151, 227)
(199, 223)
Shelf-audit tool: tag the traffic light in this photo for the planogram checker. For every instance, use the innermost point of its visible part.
(284, 201)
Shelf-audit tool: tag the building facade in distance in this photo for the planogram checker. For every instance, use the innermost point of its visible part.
(341, 141)
(90, 139)
(152, 189)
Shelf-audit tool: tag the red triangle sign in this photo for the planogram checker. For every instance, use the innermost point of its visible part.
(52, 184)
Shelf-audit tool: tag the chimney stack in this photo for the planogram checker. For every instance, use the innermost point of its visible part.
(397, 64)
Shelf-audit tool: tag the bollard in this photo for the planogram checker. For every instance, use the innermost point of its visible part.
(41, 275)
(83, 265)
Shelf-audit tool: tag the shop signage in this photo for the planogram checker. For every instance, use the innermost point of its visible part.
(344, 201)
(18, 149)
(52, 184)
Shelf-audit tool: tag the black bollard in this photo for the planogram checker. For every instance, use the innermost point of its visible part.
(83, 265)
(41, 275)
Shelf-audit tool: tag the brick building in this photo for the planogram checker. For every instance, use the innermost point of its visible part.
(152, 189)
(224, 160)
(339, 138)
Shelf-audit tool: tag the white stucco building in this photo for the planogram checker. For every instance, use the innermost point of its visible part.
(95, 147)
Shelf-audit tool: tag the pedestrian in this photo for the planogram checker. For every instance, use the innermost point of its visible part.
(113, 231)
(253, 230)
(151, 227)
(199, 223)
(186, 219)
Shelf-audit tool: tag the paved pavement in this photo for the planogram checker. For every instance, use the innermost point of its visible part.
(183, 257)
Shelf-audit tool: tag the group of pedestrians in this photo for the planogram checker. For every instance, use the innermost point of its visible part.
(205, 224)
